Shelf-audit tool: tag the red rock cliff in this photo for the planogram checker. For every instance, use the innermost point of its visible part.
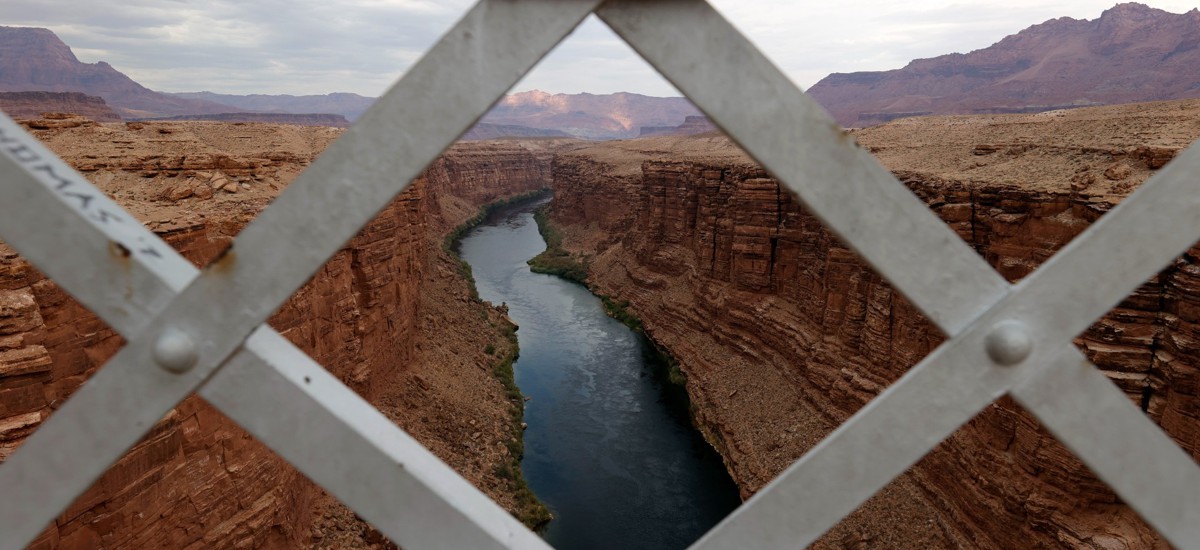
(388, 315)
(783, 333)
(21, 105)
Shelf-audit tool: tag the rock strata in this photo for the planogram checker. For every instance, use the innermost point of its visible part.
(783, 332)
(691, 125)
(34, 105)
(388, 314)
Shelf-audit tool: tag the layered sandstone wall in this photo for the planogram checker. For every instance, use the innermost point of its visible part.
(197, 479)
(387, 314)
(783, 332)
(20, 105)
(470, 175)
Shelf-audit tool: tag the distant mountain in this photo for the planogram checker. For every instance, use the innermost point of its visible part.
(691, 125)
(483, 130)
(26, 105)
(345, 104)
(33, 59)
(619, 115)
(299, 119)
(1131, 53)
(526, 114)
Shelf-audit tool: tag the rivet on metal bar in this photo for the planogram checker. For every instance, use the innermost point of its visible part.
(175, 351)
(1008, 343)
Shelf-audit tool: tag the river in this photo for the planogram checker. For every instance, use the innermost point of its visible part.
(609, 449)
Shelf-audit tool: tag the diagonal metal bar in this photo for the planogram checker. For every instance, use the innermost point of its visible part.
(132, 274)
(69, 229)
(301, 411)
(852, 192)
(691, 66)
(115, 267)
(728, 78)
(483, 56)
(1122, 250)
(951, 385)
(495, 43)
(862, 455)
(1098, 422)
(979, 381)
(887, 436)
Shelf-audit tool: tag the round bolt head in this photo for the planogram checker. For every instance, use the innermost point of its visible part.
(175, 351)
(1008, 343)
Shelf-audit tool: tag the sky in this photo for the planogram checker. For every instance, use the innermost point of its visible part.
(362, 46)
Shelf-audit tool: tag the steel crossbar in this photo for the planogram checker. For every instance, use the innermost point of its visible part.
(437, 100)
(130, 257)
(1001, 338)
(736, 86)
(1096, 421)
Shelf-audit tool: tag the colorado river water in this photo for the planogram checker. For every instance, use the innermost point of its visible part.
(616, 461)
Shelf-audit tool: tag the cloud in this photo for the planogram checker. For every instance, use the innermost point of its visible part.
(594, 59)
(231, 46)
(362, 46)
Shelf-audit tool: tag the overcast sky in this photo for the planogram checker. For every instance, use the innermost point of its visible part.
(362, 46)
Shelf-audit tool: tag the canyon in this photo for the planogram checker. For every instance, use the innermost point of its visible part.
(780, 331)
(389, 315)
(783, 333)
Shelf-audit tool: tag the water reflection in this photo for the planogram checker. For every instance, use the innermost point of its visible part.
(617, 464)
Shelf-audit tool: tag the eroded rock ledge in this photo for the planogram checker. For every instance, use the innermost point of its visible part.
(784, 333)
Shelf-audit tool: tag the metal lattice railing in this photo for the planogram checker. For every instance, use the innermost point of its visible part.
(191, 331)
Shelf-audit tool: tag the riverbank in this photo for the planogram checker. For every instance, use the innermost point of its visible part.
(784, 333)
(557, 261)
(530, 510)
(609, 448)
